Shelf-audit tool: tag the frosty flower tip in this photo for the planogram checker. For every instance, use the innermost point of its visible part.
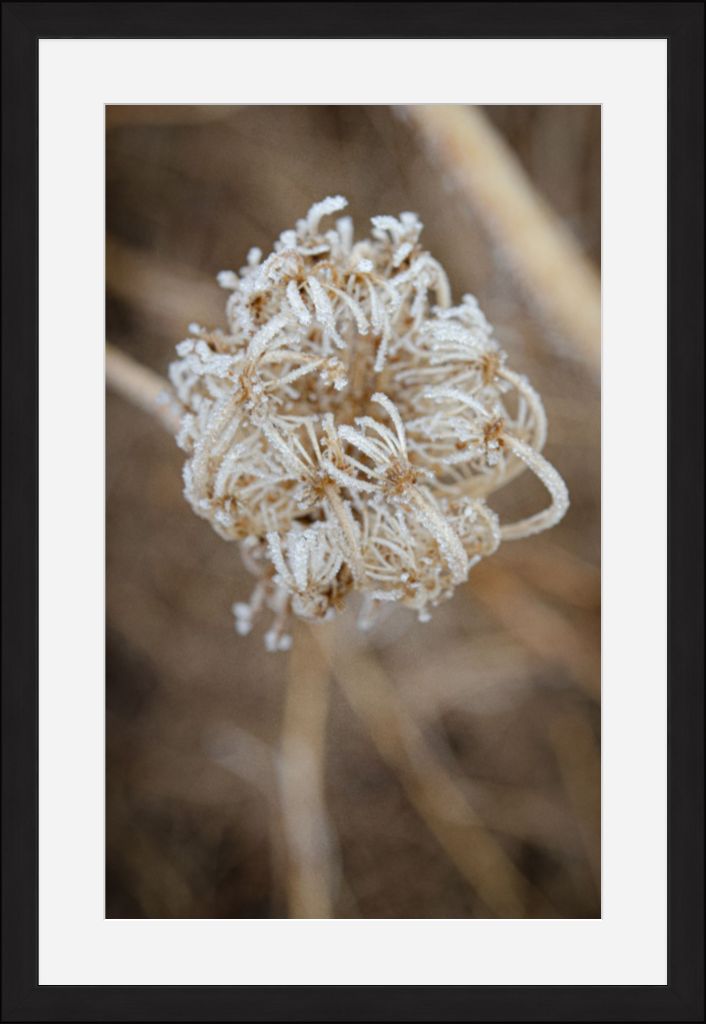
(349, 426)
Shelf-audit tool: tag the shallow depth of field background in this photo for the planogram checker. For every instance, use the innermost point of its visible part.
(503, 684)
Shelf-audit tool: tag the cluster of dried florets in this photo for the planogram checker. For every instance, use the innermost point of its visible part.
(349, 425)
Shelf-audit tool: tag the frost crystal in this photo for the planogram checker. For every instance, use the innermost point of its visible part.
(349, 426)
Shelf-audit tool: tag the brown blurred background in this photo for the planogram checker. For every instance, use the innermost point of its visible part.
(459, 756)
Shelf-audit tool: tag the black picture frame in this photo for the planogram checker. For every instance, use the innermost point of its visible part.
(23, 26)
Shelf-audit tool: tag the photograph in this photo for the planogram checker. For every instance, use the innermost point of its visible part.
(353, 511)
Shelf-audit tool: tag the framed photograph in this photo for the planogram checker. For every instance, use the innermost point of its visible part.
(353, 504)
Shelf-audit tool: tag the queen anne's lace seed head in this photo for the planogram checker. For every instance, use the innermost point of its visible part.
(350, 425)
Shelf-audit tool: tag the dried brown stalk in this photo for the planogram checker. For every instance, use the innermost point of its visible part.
(310, 843)
(538, 246)
(437, 796)
(168, 293)
(142, 387)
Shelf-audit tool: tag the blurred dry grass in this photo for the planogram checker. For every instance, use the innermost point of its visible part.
(472, 765)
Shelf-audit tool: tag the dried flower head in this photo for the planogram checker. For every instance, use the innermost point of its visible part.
(349, 426)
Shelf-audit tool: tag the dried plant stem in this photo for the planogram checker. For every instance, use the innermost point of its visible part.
(170, 295)
(310, 846)
(437, 797)
(142, 387)
(532, 237)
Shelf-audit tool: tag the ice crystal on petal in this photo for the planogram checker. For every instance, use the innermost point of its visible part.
(349, 427)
